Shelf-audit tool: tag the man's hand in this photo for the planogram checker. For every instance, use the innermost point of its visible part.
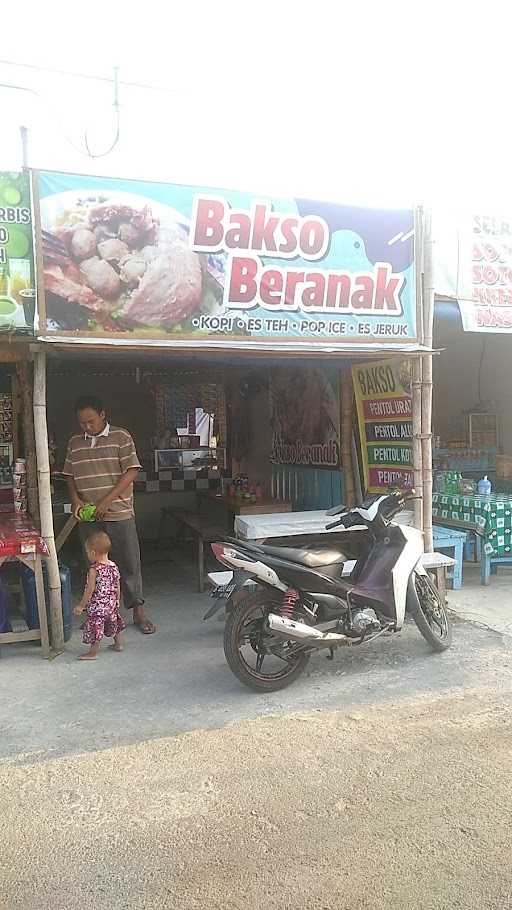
(102, 507)
(76, 505)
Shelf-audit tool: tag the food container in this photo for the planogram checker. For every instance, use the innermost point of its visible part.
(20, 466)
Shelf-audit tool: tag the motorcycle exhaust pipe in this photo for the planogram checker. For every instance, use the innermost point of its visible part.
(293, 630)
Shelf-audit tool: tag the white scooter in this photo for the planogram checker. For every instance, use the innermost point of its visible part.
(284, 602)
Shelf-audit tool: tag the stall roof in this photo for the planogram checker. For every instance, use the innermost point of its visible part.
(225, 350)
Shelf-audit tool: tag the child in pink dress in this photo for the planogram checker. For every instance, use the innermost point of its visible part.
(100, 598)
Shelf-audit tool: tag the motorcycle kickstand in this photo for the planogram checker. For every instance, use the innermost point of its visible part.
(330, 655)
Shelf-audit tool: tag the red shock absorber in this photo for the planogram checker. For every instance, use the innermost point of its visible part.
(290, 601)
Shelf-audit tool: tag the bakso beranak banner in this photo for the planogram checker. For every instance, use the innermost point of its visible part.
(137, 260)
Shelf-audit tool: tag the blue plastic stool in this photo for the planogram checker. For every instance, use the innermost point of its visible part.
(450, 539)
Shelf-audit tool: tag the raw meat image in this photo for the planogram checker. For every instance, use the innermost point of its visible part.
(117, 267)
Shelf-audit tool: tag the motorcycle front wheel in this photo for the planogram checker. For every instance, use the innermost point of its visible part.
(429, 613)
(257, 657)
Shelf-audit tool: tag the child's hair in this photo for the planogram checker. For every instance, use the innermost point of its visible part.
(99, 542)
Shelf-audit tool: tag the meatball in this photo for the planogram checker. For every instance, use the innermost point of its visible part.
(83, 244)
(131, 269)
(101, 277)
(112, 250)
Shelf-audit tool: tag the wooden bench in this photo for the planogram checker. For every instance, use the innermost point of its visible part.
(452, 539)
(201, 527)
(437, 565)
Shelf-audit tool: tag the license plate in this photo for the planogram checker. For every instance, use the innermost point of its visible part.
(223, 592)
(223, 585)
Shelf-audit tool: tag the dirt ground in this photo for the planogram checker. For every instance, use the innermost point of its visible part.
(153, 779)
(395, 806)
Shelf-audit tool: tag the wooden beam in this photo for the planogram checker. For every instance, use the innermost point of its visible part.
(426, 380)
(346, 431)
(63, 535)
(45, 500)
(12, 353)
(29, 635)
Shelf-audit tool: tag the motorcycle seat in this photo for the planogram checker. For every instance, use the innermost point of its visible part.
(314, 558)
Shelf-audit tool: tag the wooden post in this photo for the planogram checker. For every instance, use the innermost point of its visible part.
(45, 498)
(346, 430)
(16, 408)
(426, 380)
(24, 374)
(417, 371)
(416, 442)
(24, 146)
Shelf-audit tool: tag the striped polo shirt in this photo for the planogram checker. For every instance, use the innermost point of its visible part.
(97, 464)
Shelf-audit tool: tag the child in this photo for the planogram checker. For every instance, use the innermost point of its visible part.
(101, 598)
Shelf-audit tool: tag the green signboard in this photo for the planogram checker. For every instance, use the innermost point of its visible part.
(17, 281)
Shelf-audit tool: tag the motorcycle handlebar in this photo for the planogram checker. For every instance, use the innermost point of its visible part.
(401, 497)
(334, 524)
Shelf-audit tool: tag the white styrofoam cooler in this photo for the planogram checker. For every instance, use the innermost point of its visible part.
(291, 524)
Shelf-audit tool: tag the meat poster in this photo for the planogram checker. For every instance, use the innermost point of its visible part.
(191, 266)
(384, 410)
(17, 285)
(305, 417)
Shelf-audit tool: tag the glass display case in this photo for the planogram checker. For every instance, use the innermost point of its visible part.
(190, 459)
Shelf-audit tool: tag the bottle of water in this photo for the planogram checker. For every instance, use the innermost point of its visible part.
(484, 486)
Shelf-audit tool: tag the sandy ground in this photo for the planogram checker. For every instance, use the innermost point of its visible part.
(153, 779)
(395, 806)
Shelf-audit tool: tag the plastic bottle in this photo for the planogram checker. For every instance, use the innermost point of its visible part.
(484, 486)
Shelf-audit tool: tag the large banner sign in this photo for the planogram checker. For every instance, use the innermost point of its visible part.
(17, 283)
(305, 417)
(485, 274)
(384, 410)
(474, 265)
(126, 259)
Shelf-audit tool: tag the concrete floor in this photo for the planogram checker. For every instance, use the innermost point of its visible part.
(177, 680)
(380, 781)
(490, 605)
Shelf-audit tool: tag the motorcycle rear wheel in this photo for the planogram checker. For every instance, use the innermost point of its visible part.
(429, 614)
(245, 628)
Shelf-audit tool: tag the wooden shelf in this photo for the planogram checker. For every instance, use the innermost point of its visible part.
(29, 635)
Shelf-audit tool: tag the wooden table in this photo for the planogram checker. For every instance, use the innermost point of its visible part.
(202, 529)
(20, 540)
(245, 507)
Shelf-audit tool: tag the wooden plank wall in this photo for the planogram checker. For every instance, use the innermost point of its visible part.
(307, 488)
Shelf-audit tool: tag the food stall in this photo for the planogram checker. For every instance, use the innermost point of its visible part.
(182, 306)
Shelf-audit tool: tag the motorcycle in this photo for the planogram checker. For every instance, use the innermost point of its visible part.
(327, 591)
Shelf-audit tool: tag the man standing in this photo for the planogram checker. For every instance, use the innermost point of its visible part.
(101, 466)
